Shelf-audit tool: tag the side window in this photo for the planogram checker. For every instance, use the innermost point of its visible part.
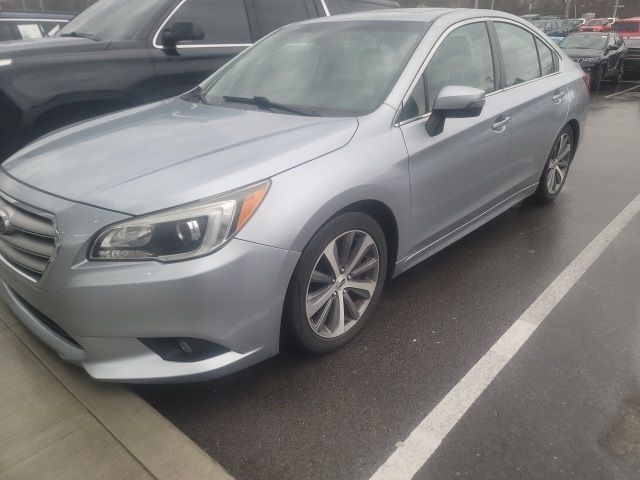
(547, 60)
(274, 14)
(5, 32)
(223, 21)
(350, 6)
(29, 30)
(518, 52)
(463, 58)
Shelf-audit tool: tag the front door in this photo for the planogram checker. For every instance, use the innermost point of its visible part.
(227, 32)
(460, 173)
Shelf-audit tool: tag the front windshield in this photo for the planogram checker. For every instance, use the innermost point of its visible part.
(115, 19)
(326, 69)
(595, 23)
(594, 42)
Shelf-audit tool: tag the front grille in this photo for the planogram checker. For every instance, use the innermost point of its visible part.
(27, 240)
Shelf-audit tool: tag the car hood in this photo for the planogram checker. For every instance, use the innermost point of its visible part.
(49, 46)
(172, 152)
(583, 52)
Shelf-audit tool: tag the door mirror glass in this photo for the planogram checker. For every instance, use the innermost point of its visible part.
(454, 102)
(181, 32)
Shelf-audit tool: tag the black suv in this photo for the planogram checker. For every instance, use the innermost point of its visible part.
(27, 25)
(600, 54)
(120, 53)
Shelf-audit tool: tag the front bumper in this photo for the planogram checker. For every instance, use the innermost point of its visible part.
(99, 310)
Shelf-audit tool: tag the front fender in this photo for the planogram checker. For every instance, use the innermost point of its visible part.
(302, 199)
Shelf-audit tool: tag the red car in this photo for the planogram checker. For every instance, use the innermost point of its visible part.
(596, 25)
(628, 27)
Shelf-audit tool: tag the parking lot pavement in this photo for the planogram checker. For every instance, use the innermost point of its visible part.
(570, 393)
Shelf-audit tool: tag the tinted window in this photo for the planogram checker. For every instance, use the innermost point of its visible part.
(223, 21)
(117, 19)
(519, 53)
(626, 27)
(464, 58)
(323, 69)
(274, 14)
(5, 32)
(349, 6)
(547, 58)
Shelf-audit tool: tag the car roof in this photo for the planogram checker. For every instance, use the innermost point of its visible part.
(426, 15)
(34, 15)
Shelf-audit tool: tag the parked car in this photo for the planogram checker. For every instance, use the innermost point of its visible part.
(28, 25)
(627, 27)
(601, 55)
(596, 25)
(179, 239)
(632, 61)
(554, 28)
(114, 56)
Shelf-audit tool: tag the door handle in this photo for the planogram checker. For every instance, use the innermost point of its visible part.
(557, 97)
(501, 124)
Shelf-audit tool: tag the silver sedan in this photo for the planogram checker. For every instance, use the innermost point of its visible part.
(188, 238)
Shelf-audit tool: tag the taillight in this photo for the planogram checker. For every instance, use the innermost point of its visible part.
(587, 81)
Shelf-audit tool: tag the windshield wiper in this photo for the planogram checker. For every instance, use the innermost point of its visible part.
(264, 103)
(79, 35)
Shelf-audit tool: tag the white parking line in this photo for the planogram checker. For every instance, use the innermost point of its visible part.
(416, 450)
(622, 91)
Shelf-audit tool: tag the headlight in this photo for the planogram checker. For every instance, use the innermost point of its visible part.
(181, 233)
(5, 62)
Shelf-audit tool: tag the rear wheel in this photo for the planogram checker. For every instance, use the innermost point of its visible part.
(556, 169)
(337, 283)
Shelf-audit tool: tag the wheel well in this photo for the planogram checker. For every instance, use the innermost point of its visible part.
(382, 214)
(63, 115)
(575, 126)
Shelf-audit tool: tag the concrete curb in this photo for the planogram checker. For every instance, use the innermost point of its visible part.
(163, 450)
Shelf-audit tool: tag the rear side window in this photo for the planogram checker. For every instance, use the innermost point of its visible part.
(223, 21)
(273, 14)
(518, 52)
(349, 6)
(548, 64)
(464, 58)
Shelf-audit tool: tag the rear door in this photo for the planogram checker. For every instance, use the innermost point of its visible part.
(460, 173)
(537, 97)
(228, 29)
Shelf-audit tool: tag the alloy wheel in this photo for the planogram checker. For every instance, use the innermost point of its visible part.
(342, 284)
(558, 164)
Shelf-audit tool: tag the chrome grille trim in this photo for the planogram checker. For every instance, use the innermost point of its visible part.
(27, 239)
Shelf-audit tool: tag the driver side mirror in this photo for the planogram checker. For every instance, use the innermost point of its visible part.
(454, 102)
(181, 32)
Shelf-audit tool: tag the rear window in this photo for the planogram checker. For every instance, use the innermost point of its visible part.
(626, 27)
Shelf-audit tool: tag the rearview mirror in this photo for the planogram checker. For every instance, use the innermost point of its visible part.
(181, 32)
(454, 102)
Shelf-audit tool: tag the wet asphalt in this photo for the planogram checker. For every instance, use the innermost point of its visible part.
(566, 406)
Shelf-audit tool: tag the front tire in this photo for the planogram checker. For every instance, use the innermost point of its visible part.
(337, 283)
(556, 169)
